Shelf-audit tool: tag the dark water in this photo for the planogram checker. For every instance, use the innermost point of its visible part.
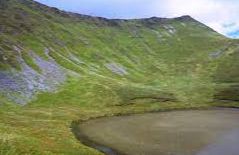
(201, 132)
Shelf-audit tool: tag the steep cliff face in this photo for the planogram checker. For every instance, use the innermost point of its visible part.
(180, 58)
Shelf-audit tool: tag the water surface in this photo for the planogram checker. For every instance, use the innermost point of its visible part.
(199, 132)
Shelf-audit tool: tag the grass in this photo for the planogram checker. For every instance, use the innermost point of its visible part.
(44, 126)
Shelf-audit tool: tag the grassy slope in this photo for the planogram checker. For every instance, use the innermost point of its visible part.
(158, 64)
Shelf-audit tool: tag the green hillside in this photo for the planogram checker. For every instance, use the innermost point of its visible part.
(57, 67)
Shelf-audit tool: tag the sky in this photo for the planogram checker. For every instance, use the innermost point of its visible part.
(221, 15)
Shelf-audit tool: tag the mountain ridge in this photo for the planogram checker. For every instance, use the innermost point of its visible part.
(37, 34)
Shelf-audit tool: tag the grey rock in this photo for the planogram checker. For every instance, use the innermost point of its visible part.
(216, 54)
(22, 86)
(117, 69)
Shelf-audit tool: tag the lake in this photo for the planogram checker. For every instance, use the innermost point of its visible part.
(192, 132)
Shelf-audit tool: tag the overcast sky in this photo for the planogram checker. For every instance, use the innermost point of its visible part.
(221, 15)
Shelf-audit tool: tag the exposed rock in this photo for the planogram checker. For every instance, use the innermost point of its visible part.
(117, 69)
(75, 59)
(216, 54)
(183, 24)
(22, 86)
(170, 29)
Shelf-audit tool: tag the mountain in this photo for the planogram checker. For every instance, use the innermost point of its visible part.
(57, 63)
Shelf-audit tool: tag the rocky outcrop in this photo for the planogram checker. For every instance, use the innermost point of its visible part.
(21, 86)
